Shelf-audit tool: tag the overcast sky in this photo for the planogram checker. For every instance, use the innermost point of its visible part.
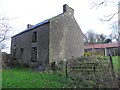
(23, 12)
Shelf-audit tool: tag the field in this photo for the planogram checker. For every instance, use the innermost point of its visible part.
(116, 62)
(24, 78)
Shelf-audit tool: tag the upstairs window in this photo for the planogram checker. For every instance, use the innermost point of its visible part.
(34, 36)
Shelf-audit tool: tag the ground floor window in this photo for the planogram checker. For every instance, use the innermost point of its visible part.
(34, 54)
(14, 54)
(21, 53)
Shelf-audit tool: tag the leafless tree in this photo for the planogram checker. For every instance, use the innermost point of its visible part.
(115, 25)
(100, 38)
(89, 37)
(93, 38)
(98, 3)
(4, 31)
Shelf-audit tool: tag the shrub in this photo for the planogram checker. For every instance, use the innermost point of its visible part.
(91, 72)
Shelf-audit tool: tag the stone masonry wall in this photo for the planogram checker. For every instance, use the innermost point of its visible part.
(24, 41)
(66, 38)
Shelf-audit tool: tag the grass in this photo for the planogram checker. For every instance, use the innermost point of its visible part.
(24, 78)
(116, 62)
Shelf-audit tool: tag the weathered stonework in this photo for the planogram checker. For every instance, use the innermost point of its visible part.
(66, 38)
(58, 38)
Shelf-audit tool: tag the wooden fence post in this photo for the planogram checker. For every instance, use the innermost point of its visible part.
(66, 69)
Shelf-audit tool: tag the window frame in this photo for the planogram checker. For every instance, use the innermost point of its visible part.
(34, 36)
(34, 54)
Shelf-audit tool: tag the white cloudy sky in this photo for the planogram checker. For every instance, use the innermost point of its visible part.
(25, 12)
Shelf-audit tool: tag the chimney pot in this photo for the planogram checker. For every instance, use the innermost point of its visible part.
(29, 26)
(66, 8)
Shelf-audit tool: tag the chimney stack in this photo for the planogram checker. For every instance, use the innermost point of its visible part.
(66, 8)
(29, 26)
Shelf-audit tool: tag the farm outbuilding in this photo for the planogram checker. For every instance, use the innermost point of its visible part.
(113, 48)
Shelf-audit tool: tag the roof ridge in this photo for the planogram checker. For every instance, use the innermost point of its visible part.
(34, 26)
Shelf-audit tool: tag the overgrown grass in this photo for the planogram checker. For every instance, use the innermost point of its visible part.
(116, 62)
(20, 77)
(100, 77)
(25, 78)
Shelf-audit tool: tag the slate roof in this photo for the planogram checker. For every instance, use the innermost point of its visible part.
(34, 26)
(109, 45)
(39, 24)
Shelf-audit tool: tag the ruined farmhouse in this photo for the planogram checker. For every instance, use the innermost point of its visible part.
(52, 40)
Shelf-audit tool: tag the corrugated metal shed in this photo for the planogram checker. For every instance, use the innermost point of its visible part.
(109, 45)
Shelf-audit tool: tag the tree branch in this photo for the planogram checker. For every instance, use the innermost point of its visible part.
(4, 32)
(99, 3)
(110, 17)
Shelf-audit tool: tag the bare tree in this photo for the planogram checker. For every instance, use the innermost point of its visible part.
(115, 25)
(98, 3)
(100, 38)
(90, 37)
(4, 31)
(93, 38)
